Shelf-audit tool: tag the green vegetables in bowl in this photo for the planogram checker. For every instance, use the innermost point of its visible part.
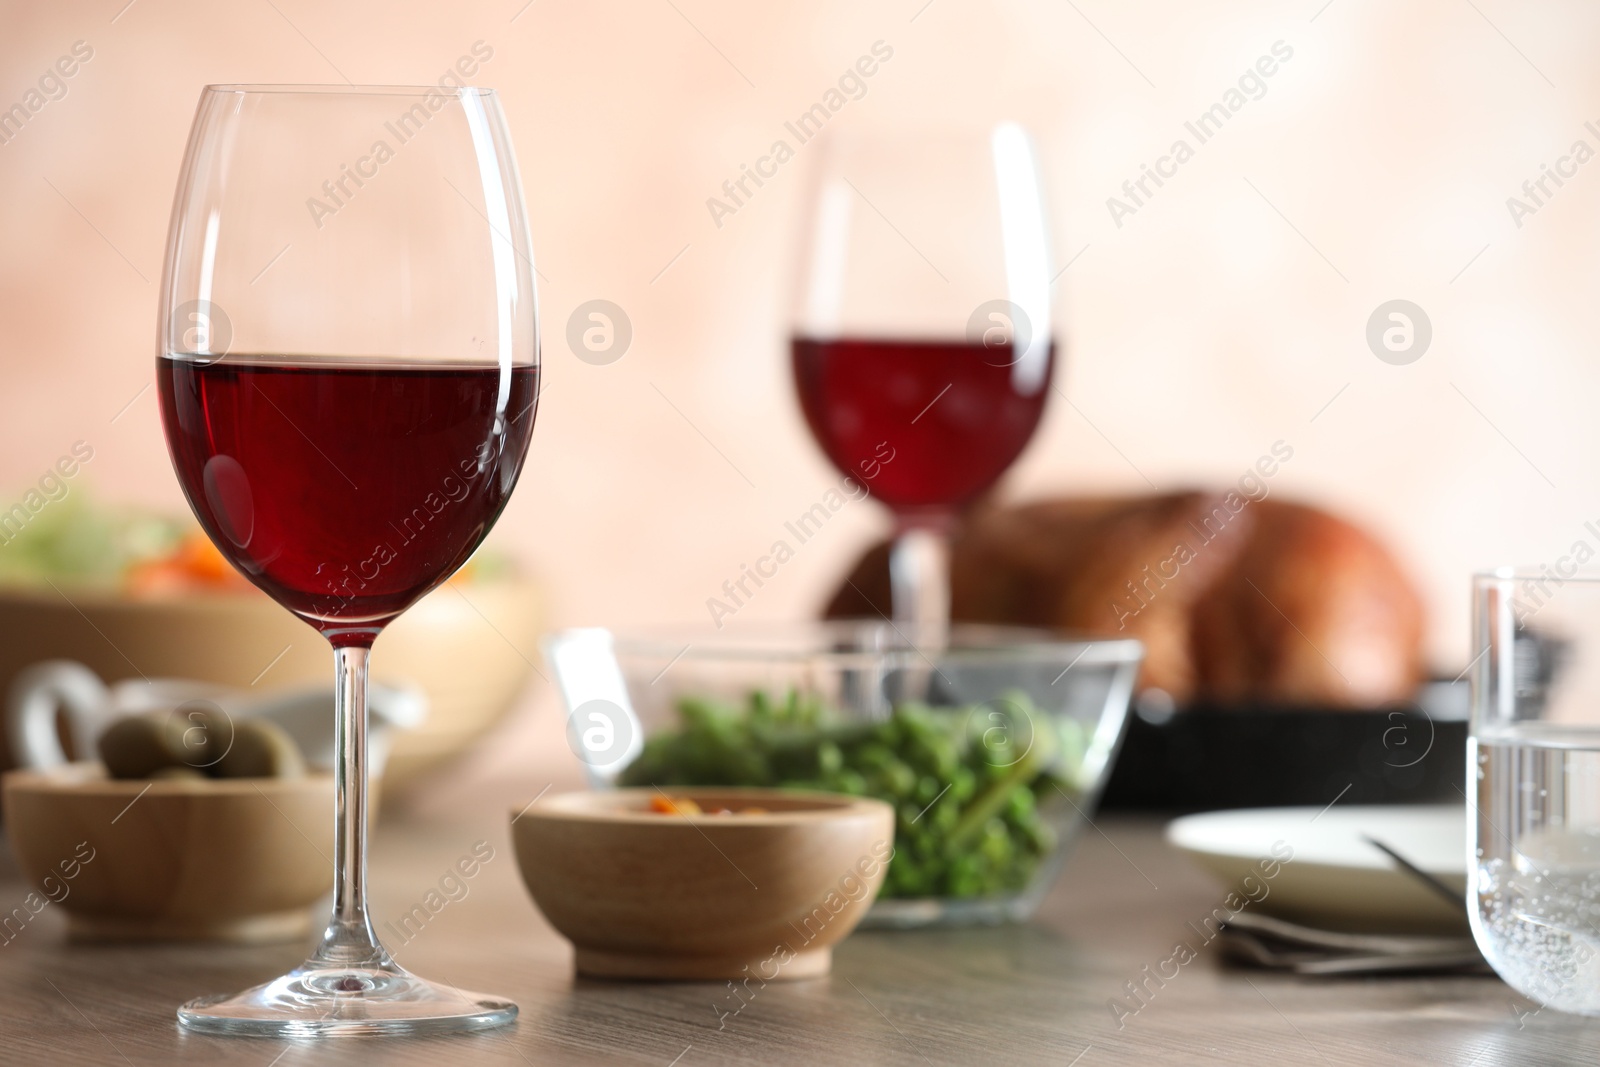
(972, 787)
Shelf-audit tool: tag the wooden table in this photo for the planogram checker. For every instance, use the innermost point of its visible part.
(1038, 993)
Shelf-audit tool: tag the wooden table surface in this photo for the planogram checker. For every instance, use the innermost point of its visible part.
(1038, 993)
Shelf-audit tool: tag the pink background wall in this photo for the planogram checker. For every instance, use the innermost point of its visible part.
(1221, 317)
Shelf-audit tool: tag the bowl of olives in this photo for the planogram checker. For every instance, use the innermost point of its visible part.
(991, 744)
(190, 827)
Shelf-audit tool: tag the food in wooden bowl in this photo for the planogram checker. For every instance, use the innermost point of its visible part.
(724, 891)
(236, 859)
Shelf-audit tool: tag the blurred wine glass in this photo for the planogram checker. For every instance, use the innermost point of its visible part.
(921, 329)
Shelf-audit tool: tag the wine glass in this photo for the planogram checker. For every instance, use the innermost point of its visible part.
(922, 343)
(348, 367)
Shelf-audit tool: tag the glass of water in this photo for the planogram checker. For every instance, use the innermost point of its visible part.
(1534, 763)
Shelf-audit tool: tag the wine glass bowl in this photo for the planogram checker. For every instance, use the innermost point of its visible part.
(937, 421)
(347, 365)
(426, 457)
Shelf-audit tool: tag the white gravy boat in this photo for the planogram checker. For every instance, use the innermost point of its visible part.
(68, 689)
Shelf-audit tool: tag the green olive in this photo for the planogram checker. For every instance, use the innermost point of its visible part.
(136, 747)
(198, 735)
(261, 750)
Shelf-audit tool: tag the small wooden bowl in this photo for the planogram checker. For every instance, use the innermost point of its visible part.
(236, 860)
(645, 895)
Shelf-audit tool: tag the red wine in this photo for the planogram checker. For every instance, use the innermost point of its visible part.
(344, 489)
(954, 415)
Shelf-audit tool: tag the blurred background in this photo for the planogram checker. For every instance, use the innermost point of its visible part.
(1228, 312)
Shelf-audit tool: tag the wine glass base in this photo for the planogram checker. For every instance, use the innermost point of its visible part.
(327, 1001)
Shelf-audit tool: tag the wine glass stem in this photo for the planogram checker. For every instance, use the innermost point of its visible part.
(919, 576)
(350, 938)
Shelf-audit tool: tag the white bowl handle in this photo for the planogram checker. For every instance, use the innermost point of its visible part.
(36, 696)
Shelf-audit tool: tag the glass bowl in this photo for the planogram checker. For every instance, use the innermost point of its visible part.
(991, 743)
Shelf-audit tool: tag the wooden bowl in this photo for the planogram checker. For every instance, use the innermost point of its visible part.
(645, 895)
(234, 860)
(468, 649)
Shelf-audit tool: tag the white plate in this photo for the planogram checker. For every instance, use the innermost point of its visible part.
(1333, 878)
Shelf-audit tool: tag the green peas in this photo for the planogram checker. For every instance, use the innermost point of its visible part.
(874, 757)
(895, 781)
(852, 782)
(996, 842)
(1020, 806)
(966, 877)
(829, 759)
